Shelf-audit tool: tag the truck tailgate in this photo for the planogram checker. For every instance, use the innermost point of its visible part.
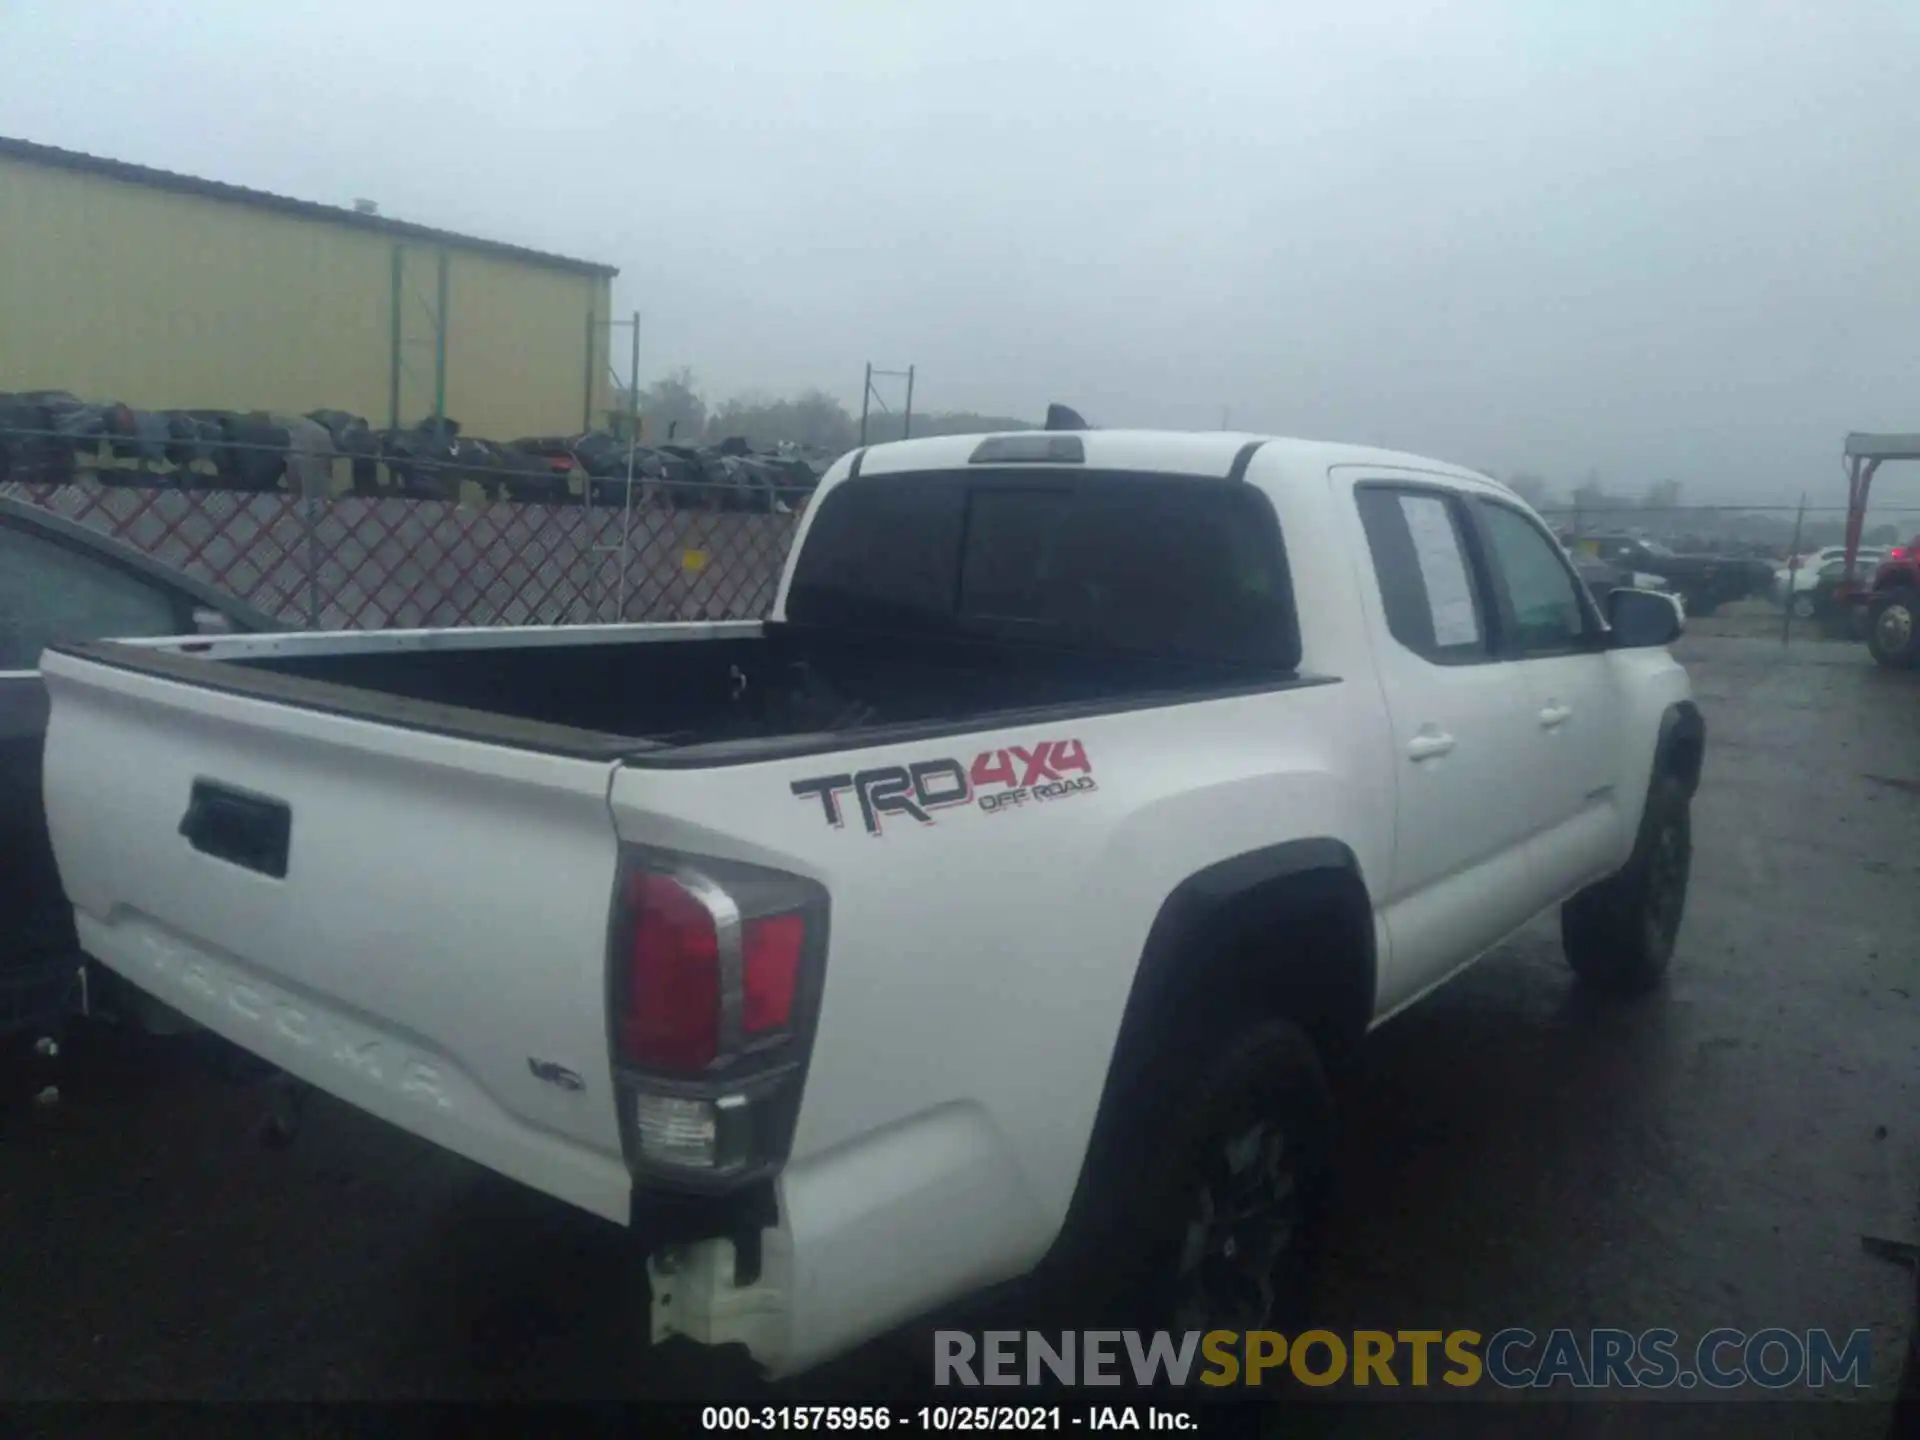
(433, 946)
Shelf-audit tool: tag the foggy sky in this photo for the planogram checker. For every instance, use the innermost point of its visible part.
(1648, 239)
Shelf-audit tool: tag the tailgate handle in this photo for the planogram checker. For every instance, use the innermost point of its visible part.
(251, 831)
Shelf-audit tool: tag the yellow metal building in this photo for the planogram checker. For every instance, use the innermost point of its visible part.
(125, 284)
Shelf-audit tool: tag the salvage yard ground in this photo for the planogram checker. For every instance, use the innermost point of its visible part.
(1515, 1153)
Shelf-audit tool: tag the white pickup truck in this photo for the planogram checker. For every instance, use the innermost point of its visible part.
(997, 901)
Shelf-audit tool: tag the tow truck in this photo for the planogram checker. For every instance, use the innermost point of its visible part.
(1890, 600)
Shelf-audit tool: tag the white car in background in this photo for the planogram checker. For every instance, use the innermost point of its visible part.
(1794, 582)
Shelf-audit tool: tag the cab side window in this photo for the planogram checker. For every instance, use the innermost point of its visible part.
(1418, 542)
(1539, 584)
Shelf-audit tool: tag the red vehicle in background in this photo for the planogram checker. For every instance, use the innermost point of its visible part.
(1890, 597)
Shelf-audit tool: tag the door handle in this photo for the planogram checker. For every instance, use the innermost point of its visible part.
(1429, 745)
(1555, 715)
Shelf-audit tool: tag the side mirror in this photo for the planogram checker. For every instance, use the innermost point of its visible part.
(208, 621)
(1643, 619)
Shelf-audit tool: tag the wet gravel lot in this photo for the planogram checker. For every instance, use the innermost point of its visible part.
(1514, 1155)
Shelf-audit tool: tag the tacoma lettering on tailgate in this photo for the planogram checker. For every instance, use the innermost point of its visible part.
(997, 780)
(365, 1056)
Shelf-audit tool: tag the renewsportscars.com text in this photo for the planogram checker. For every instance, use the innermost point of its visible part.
(1511, 1359)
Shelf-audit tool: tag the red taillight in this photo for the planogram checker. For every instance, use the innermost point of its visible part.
(671, 1018)
(770, 952)
(716, 970)
(1899, 552)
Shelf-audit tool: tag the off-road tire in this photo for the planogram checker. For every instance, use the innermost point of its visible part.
(1893, 629)
(1194, 1111)
(1619, 934)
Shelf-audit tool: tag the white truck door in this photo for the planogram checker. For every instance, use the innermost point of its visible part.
(1461, 876)
(1566, 767)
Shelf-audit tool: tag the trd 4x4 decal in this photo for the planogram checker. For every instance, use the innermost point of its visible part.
(996, 780)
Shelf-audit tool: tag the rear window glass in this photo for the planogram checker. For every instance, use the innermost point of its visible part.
(880, 554)
(1011, 561)
(1147, 564)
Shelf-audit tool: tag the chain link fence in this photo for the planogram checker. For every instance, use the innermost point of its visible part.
(1764, 529)
(1757, 570)
(444, 531)
(330, 541)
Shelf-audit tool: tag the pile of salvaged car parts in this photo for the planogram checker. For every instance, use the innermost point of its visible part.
(50, 436)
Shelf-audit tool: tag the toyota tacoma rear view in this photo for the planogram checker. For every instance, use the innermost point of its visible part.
(1000, 903)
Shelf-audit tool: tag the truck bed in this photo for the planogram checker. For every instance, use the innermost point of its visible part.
(401, 894)
(652, 692)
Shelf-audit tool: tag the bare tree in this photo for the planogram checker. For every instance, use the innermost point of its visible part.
(672, 405)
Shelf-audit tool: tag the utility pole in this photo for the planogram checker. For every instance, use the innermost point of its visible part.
(440, 347)
(435, 311)
(633, 394)
(633, 442)
(1793, 573)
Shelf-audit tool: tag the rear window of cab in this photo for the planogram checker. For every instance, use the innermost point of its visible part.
(1147, 564)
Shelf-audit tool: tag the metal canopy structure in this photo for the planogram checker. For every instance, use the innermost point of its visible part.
(1865, 454)
(868, 395)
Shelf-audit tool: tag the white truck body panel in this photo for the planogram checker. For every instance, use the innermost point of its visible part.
(929, 985)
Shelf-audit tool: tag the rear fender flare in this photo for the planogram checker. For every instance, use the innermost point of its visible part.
(1180, 961)
(1185, 914)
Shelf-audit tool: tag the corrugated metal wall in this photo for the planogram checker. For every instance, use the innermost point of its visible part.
(517, 347)
(124, 292)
